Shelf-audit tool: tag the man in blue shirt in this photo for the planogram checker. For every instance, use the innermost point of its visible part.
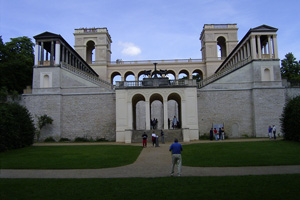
(176, 149)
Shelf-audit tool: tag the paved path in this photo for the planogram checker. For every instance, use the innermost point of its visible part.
(152, 162)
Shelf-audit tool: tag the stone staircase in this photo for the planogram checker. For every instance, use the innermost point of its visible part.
(170, 134)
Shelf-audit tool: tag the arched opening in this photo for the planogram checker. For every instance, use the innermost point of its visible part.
(183, 74)
(142, 75)
(129, 76)
(90, 52)
(197, 75)
(156, 111)
(115, 76)
(174, 110)
(171, 75)
(221, 42)
(139, 112)
(46, 81)
(267, 75)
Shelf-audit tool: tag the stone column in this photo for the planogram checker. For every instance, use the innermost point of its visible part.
(258, 46)
(52, 53)
(129, 116)
(253, 47)
(165, 114)
(42, 53)
(270, 47)
(36, 54)
(147, 107)
(57, 53)
(248, 49)
(275, 47)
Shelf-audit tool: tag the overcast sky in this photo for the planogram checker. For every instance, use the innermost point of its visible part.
(151, 29)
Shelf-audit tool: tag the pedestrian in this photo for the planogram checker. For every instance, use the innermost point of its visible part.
(174, 122)
(216, 134)
(144, 136)
(156, 141)
(169, 123)
(223, 133)
(176, 149)
(220, 133)
(211, 134)
(162, 135)
(153, 138)
(274, 132)
(270, 132)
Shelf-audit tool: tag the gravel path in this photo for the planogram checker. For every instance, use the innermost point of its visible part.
(152, 162)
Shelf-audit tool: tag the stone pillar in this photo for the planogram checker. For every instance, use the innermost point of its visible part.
(42, 53)
(129, 116)
(52, 53)
(57, 53)
(165, 114)
(275, 47)
(147, 107)
(258, 46)
(36, 54)
(248, 49)
(253, 47)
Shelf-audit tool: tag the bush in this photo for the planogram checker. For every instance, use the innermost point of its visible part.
(64, 140)
(81, 139)
(49, 139)
(290, 120)
(16, 127)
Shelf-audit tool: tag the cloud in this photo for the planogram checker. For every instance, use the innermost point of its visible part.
(130, 49)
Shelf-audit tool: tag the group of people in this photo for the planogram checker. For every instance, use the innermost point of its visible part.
(219, 134)
(155, 139)
(272, 132)
(175, 123)
(153, 123)
(175, 149)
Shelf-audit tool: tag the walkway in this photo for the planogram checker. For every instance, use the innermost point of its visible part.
(152, 162)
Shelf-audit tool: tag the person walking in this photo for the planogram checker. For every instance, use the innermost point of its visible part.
(153, 138)
(144, 136)
(162, 135)
(211, 134)
(274, 132)
(176, 150)
(270, 132)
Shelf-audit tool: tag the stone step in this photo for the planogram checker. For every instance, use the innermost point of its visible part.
(170, 135)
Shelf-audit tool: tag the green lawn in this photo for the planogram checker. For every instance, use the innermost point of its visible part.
(69, 157)
(263, 153)
(238, 187)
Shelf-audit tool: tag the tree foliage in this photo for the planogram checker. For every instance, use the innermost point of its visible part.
(290, 68)
(16, 61)
(290, 119)
(42, 122)
(16, 127)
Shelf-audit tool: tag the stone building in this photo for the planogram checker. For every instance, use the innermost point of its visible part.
(240, 87)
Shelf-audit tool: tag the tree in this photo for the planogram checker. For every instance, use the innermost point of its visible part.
(290, 68)
(16, 61)
(290, 120)
(42, 122)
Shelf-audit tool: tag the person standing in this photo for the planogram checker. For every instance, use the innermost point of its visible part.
(223, 133)
(176, 150)
(216, 134)
(174, 122)
(162, 135)
(270, 132)
(144, 136)
(153, 138)
(157, 141)
(211, 134)
(220, 134)
(169, 123)
(274, 132)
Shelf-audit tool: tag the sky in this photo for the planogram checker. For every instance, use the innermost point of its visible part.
(151, 29)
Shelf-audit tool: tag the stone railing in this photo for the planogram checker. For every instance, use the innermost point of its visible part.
(224, 72)
(156, 83)
(121, 62)
(86, 75)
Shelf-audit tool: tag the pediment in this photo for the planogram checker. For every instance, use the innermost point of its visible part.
(264, 28)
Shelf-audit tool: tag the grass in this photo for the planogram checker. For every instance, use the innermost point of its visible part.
(237, 187)
(69, 157)
(263, 153)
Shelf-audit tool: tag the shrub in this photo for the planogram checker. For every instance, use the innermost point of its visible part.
(101, 140)
(290, 120)
(81, 139)
(42, 122)
(64, 140)
(16, 127)
(49, 139)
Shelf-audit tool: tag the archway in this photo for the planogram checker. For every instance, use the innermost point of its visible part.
(90, 52)
(115, 76)
(221, 42)
(174, 108)
(138, 112)
(197, 75)
(157, 110)
(129, 76)
(183, 74)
